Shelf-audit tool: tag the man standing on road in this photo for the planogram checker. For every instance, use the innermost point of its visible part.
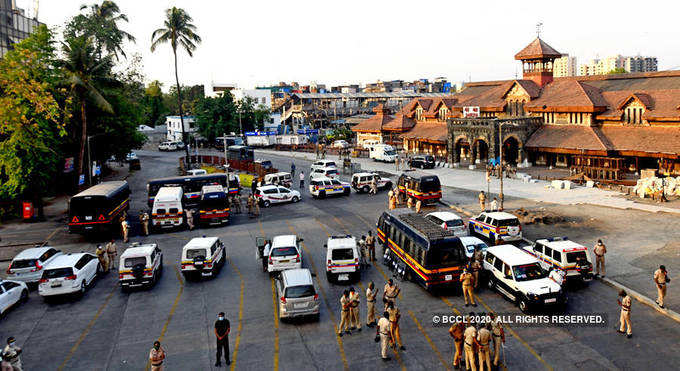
(395, 316)
(396, 162)
(374, 186)
(467, 280)
(599, 250)
(482, 201)
(483, 340)
(157, 356)
(292, 169)
(371, 293)
(498, 337)
(101, 255)
(144, 221)
(390, 293)
(625, 303)
(370, 245)
(111, 252)
(190, 219)
(469, 338)
(10, 356)
(476, 267)
(456, 331)
(354, 309)
(383, 330)
(302, 180)
(494, 204)
(661, 279)
(125, 227)
(222, 329)
(345, 305)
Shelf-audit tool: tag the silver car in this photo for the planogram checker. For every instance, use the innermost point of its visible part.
(29, 264)
(297, 294)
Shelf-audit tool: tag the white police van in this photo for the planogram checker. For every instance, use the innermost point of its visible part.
(322, 187)
(561, 253)
(342, 257)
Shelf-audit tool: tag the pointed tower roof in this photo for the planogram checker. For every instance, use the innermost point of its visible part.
(536, 50)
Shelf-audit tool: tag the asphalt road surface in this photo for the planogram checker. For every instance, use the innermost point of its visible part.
(112, 330)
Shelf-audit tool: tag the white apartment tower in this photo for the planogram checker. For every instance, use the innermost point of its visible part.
(564, 66)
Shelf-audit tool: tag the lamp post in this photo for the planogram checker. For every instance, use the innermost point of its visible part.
(500, 155)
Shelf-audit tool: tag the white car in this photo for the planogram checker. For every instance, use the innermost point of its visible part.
(272, 194)
(361, 182)
(323, 163)
(340, 144)
(297, 294)
(284, 253)
(472, 245)
(131, 156)
(11, 293)
(449, 221)
(167, 146)
(203, 257)
(323, 186)
(497, 226)
(342, 256)
(324, 172)
(69, 274)
(367, 144)
(29, 264)
(140, 265)
(178, 144)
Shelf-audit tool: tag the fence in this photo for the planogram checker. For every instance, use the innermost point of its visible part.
(245, 166)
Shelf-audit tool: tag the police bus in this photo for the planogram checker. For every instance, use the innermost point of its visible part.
(98, 208)
(192, 185)
(240, 153)
(431, 256)
(420, 186)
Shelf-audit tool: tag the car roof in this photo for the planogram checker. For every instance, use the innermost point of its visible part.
(364, 174)
(511, 255)
(171, 192)
(297, 277)
(65, 260)
(138, 250)
(341, 241)
(200, 242)
(284, 240)
(32, 253)
(468, 240)
(500, 215)
(562, 245)
(277, 174)
(321, 178)
(268, 186)
(445, 215)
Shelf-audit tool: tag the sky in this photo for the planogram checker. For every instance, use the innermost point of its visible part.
(261, 42)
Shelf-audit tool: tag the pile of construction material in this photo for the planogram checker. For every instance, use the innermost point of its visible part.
(648, 187)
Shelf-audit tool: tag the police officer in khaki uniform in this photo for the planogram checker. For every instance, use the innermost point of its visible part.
(11, 355)
(467, 279)
(476, 267)
(390, 292)
(157, 356)
(370, 245)
(103, 260)
(660, 280)
(625, 303)
(456, 331)
(345, 305)
(354, 309)
(482, 200)
(395, 316)
(498, 336)
(469, 338)
(599, 250)
(409, 202)
(144, 221)
(483, 340)
(371, 293)
(111, 252)
(125, 227)
(383, 330)
(419, 205)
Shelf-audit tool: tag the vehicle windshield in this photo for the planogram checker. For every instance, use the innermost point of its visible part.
(445, 254)
(300, 291)
(131, 262)
(528, 272)
(208, 203)
(454, 223)
(87, 205)
(57, 273)
(430, 184)
(571, 257)
(28, 263)
(283, 251)
(508, 223)
(330, 164)
(342, 254)
(195, 253)
(476, 247)
(429, 158)
(391, 152)
(331, 172)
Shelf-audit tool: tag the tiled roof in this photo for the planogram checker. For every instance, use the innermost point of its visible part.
(400, 122)
(429, 131)
(567, 136)
(643, 98)
(374, 123)
(559, 95)
(530, 87)
(660, 105)
(643, 139)
(537, 49)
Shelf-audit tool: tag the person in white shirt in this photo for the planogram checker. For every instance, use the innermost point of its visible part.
(557, 275)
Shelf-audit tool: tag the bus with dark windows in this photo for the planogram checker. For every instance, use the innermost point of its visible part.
(192, 186)
(98, 208)
(420, 186)
(428, 255)
(240, 153)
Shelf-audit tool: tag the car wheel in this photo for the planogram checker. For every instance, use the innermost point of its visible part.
(24, 296)
(491, 284)
(329, 278)
(295, 199)
(365, 189)
(266, 203)
(322, 194)
(523, 305)
(83, 287)
(346, 192)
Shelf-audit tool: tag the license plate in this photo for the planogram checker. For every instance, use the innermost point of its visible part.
(448, 277)
(552, 300)
(56, 284)
(299, 305)
(343, 277)
(88, 218)
(284, 261)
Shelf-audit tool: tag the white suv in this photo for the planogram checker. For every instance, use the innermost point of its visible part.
(297, 294)
(271, 194)
(203, 256)
(324, 172)
(449, 221)
(342, 257)
(167, 146)
(29, 264)
(284, 253)
(322, 187)
(69, 274)
(140, 265)
(323, 163)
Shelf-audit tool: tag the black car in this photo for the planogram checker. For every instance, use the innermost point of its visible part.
(422, 161)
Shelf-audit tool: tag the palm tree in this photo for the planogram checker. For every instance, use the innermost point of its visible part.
(177, 30)
(102, 23)
(83, 69)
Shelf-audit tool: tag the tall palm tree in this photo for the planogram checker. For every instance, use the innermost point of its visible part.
(102, 23)
(83, 69)
(177, 30)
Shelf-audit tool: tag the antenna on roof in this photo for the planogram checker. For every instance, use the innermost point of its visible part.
(538, 29)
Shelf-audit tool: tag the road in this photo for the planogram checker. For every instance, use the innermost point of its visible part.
(111, 330)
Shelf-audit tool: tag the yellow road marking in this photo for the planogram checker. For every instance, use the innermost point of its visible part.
(323, 292)
(240, 316)
(427, 337)
(276, 327)
(87, 329)
(172, 312)
(51, 235)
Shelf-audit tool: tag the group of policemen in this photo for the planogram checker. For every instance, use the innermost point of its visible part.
(474, 341)
(107, 255)
(394, 200)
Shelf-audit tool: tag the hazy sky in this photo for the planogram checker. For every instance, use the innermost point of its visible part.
(254, 42)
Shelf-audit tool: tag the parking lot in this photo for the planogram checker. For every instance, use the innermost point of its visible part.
(109, 329)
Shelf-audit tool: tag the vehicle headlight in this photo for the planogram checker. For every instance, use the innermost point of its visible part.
(532, 296)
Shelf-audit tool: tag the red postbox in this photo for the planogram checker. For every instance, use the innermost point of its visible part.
(28, 210)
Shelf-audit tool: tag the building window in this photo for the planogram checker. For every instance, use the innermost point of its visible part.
(633, 115)
(419, 113)
(442, 113)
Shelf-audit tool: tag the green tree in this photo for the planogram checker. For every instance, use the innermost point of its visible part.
(617, 71)
(178, 31)
(32, 118)
(216, 116)
(101, 22)
(253, 116)
(154, 106)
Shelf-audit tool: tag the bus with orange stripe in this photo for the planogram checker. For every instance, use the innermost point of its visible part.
(98, 208)
(432, 257)
(420, 186)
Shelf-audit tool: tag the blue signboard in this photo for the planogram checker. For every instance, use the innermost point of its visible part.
(308, 131)
(259, 133)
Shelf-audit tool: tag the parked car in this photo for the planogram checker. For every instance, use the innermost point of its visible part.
(342, 255)
(340, 144)
(280, 178)
(179, 144)
(69, 274)
(422, 161)
(11, 294)
(28, 265)
(266, 164)
(324, 172)
(197, 172)
(140, 265)
(497, 226)
(131, 156)
(284, 253)
(167, 146)
(563, 254)
(449, 221)
(367, 144)
(203, 257)
(361, 182)
(297, 294)
(323, 164)
(271, 194)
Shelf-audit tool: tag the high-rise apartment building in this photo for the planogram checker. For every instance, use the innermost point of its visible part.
(14, 25)
(640, 64)
(629, 64)
(564, 66)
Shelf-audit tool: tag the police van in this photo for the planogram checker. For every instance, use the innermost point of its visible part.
(167, 211)
(342, 257)
(322, 187)
(563, 254)
(323, 163)
(203, 257)
(361, 182)
(140, 265)
(497, 226)
(280, 178)
(520, 277)
(324, 172)
(214, 205)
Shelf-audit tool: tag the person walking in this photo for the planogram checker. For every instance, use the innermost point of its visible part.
(483, 339)
(383, 330)
(190, 219)
(345, 304)
(498, 335)
(103, 260)
(302, 180)
(390, 293)
(469, 338)
(467, 281)
(494, 204)
(419, 205)
(222, 329)
(456, 331)
(599, 250)
(482, 201)
(292, 169)
(371, 293)
(11, 359)
(370, 245)
(125, 227)
(144, 221)
(395, 316)
(354, 309)
(396, 162)
(625, 303)
(111, 252)
(253, 185)
(660, 280)
(157, 356)
(374, 186)
(409, 202)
